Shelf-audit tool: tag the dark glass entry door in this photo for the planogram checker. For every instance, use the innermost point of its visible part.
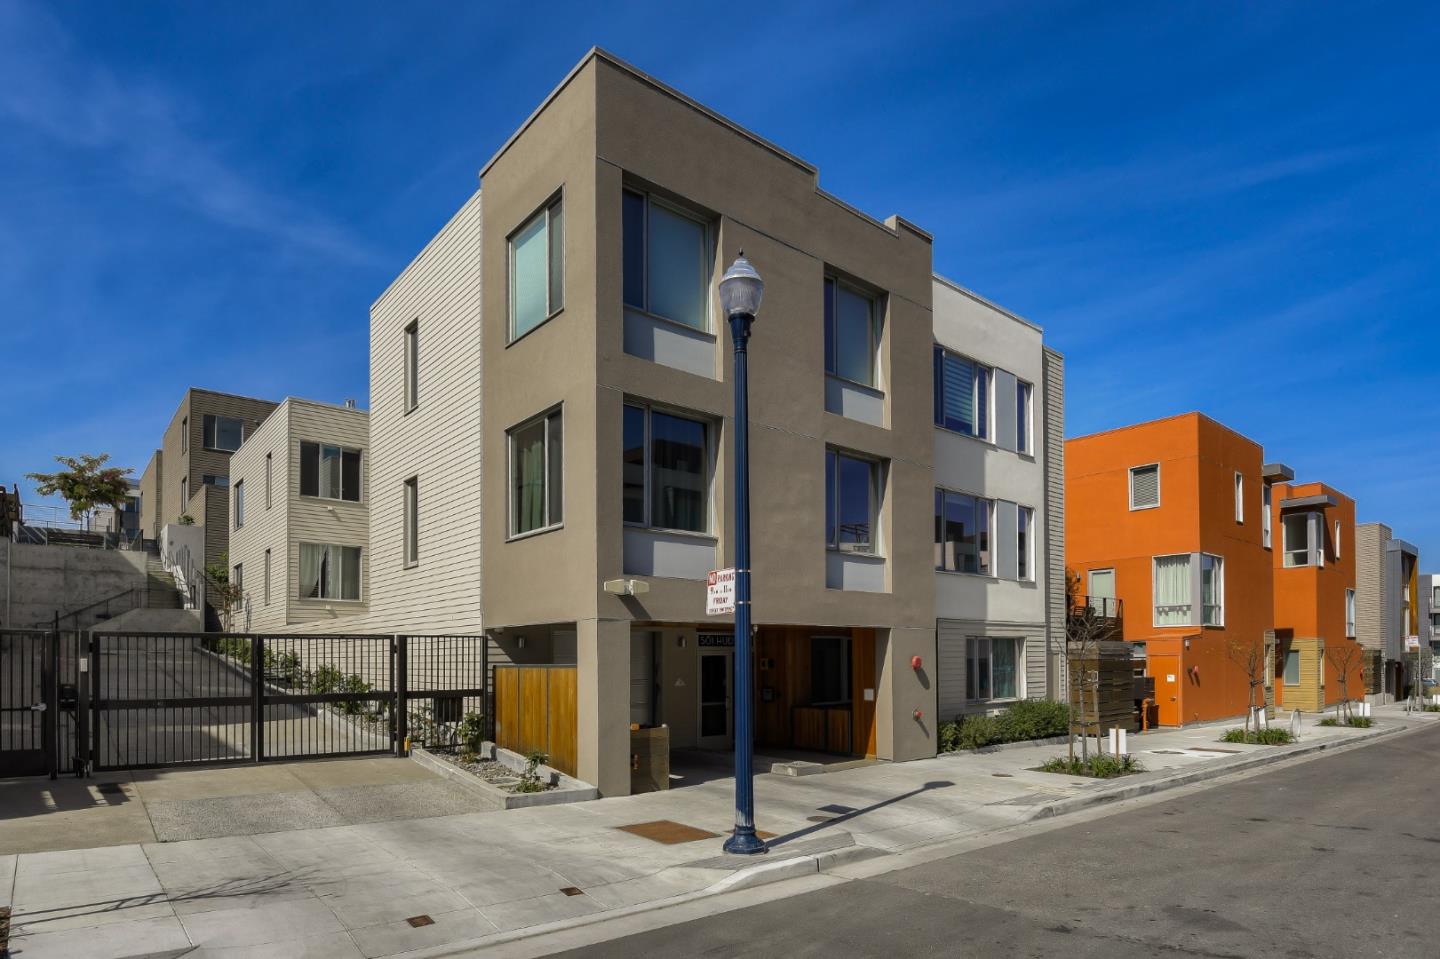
(715, 699)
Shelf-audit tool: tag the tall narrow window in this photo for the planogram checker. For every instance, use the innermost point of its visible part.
(537, 270)
(1172, 590)
(1145, 486)
(267, 577)
(962, 532)
(1212, 590)
(329, 472)
(185, 434)
(1292, 667)
(1239, 497)
(1266, 536)
(184, 493)
(1295, 530)
(269, 461)
(667, 261)
(239, 495)
(412, 365)
(852, 333)
(666, 470)
(1024, 525)
(1337, 541)
(851, 494)
(237, 578)
(1350, 613)
(1024, 398)
(412, 521)
(329, 572)
(536, 468)
(224, 433)
(962, 394)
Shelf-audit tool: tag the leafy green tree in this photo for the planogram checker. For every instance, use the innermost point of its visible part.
(85, 483)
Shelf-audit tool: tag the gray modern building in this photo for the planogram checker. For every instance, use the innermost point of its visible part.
(1387, 606)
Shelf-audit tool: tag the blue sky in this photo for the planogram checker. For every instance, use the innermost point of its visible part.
(1217, 206)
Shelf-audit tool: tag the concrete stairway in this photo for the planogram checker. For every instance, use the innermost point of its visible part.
(160, 589)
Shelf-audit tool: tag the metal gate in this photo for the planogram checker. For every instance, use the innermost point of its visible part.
(175, 699)
(27, 701)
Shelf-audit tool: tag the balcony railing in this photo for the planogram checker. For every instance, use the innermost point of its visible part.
(1105, 611)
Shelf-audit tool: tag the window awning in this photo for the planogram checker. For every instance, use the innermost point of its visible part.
(1309, 502)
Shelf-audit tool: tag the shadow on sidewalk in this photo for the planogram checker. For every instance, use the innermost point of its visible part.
(856, 813)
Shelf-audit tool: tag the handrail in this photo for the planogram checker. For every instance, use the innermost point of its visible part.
(89, 606)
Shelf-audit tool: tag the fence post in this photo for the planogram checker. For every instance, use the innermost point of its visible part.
(50, 697)
(400, 681)
(93, 748)
(257, 703)
(82, 708)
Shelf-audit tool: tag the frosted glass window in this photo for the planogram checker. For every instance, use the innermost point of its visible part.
(537, 270)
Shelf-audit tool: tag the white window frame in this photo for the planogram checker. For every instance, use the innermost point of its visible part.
(1219, 604)
(359, 574)
(1155, 591)
(238, 496)
(972, 644)
(1285, 670)
(707, 267)
(876, 330)
(1267, 525)
(1130, 479)
(1349, 614)
(1335, 544)
(1239, 497)
(1025, 411)
(1287, 550)
(410, 523)
(549, 210)
(1025, 553)
(321, 446)
(991, 519)
(550, 523)
(412, 365)
(217, 417)
(650, 409)
(940, 353)
(877, 485)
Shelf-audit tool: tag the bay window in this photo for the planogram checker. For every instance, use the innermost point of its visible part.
(962, 394)
(329, 472)
(329, 572)
(667, 261)
(536, 469)
(993, 668)
(537, 270)
(851, 498)
(666, 470)
(962, 532)
(1172, 590)
(1212, 590)
(852, 333)
(1295, 534)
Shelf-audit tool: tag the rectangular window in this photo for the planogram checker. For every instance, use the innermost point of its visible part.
(667, 261)
(185, 435)
(1145, 486)
(1350, 613)
(1239, 497)
(269, 461)
(1024, 525)
(537, 270)
(852, 333)
(329, 572)
(1295, 532)
(829, 670)
(412, 365)
(239, 503)
(184, 493)
(536, 468)
(962, 532)
(993, 668)
(267, 577)
(1265, 501)
(329, 472)
(962, 394)
(851, 492)
(237, 578)
(1024, 399)
(1336, 542)
(1172, 590)
(213, 479)
(223, 433)
(666, 470)
(1292, 667)
(412, 521)
(1212, 590)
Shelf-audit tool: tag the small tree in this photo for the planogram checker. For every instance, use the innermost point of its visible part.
(225, 594)
(1084, 629)
(1250, 657)
(85, 483)
(1343, 659)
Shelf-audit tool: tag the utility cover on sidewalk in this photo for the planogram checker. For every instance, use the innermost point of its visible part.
(667, 831)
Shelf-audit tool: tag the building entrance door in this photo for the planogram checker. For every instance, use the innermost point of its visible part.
(716, 723)
(1165, 669)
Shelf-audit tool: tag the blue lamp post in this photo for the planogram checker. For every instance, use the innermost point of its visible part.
(740, 293)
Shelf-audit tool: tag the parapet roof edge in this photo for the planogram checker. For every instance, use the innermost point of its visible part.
(966, 291)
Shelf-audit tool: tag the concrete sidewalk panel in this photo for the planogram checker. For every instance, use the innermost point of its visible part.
(158, 936)
(385, 939)
(517, 914)
(274, 924)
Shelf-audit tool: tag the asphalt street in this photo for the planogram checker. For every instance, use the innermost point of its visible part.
(1335, 857)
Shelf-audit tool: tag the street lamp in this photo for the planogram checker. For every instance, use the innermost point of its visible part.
(740, 291)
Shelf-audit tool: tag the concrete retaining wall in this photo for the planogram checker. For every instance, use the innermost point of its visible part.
(37, 581)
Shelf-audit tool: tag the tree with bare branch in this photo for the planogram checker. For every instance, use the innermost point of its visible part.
(1343, 659)
(1085, 627)
(1250, 657)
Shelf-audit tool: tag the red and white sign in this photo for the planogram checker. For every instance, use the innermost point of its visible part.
(720, 596)
(1411, 642)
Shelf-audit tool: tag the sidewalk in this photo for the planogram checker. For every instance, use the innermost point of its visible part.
(352, 890)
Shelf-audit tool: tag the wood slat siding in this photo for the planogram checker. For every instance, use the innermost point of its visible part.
(211, 508)
(1309, 695)
(263, 529)
(1054, 544)
(535, 709)
(950, 636)
(1370, 584)
(310, 519)
(439, 441)
(152, 494)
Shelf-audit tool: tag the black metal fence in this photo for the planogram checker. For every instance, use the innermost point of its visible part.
(143, 700)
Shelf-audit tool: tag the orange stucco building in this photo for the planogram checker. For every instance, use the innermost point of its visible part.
(1314, 563)
(1169, 516)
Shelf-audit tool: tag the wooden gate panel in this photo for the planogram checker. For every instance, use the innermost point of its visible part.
(535, 710)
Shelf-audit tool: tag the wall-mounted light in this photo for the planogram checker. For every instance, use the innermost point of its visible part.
(626, 587)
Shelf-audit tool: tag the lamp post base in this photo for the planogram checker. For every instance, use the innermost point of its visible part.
(744, 842)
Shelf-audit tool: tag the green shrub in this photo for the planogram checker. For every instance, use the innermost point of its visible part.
(1097, 767)
(354, 684)
(472, 731)
(1359, 722)
(1026, 720)
(1432, 708)
(1273, 736)
(530, 781)
(326, 679)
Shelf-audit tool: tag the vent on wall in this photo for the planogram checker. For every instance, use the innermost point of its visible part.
(1144, 486)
